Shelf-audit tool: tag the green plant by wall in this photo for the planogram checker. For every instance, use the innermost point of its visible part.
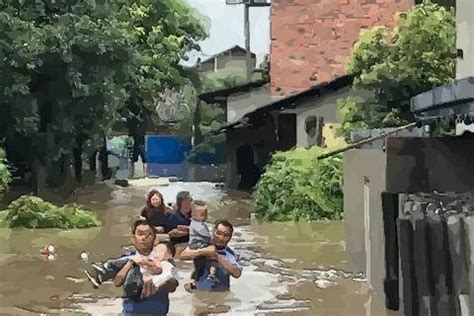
(32, 212)
(296, 186)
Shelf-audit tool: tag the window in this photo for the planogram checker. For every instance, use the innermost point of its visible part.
(311, 123)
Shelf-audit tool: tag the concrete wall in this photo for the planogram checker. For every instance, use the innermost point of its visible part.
(361, 165)
(325, 107)
(311, 41)
(239, 104)
(428, 164)
(465, 38)
(369, 163)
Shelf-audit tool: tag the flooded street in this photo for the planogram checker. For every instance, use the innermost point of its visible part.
(289, 268)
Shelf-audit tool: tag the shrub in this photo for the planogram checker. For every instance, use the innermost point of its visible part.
(295, 185)
(32, 212)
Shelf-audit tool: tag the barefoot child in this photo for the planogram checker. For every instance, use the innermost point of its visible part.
(161, 256)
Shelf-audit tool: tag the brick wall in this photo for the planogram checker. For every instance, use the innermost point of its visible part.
(312, 39)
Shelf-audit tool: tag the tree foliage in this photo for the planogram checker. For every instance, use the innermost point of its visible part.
(296, 186)
(392, 67)
(71, 68)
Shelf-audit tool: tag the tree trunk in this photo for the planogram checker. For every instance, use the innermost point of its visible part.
(197, 122)
(93, 161)
(104, 161)
(77, 153)
(39, 176)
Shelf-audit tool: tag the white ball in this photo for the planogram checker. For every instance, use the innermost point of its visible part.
(84, 256)
(51, 257)
(51, 249)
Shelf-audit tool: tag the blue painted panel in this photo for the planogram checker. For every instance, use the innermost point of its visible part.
(166, 149)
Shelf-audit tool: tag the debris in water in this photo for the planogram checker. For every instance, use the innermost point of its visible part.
(48, 250)
(84, 256)
(75, 280)
(121, 183)
(290, 305)
(323, 284)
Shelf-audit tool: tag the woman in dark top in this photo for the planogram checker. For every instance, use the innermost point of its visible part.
(155, 211)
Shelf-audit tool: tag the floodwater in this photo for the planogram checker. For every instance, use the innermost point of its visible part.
(289, 268)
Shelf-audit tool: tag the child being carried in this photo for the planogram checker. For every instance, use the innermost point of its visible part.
(200, 237)
(138, 275)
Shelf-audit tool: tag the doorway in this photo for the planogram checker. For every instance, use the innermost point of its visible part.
(246, 167)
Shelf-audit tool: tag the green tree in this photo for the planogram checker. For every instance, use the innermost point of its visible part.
(389, 69)
(73, 68)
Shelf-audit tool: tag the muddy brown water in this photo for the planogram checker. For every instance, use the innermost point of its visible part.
(289, 268)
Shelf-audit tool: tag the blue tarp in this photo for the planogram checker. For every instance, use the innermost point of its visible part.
(166, 149)
(166, 155)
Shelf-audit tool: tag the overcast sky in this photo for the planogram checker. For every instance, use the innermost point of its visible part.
(227, 28)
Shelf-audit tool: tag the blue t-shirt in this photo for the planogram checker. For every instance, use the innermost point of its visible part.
(155, 304)
(174, 219)
(223, 277)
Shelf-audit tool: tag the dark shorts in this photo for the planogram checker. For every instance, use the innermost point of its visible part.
(139, 151)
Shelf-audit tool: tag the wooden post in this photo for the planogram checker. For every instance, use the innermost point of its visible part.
(365, 141)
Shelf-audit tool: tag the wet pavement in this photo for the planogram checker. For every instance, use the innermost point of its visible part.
(289, 268)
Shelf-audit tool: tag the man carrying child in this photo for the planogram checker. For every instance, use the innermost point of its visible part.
(219, 263)
(146, 273)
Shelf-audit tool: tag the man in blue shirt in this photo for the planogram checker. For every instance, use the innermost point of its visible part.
(154, 301)
(227, 262)
(177, 223)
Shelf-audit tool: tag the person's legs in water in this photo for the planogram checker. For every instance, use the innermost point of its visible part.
(135, 154)
(142, 154)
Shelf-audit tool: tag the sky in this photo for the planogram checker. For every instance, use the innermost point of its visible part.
(227, 28)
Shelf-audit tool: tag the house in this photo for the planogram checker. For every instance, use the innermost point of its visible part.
(232, 58)
(305, 119)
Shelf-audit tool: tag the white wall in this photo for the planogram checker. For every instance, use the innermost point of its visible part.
(325, 106)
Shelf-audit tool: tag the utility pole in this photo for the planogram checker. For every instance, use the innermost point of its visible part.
(247, 4)
(248, 59)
